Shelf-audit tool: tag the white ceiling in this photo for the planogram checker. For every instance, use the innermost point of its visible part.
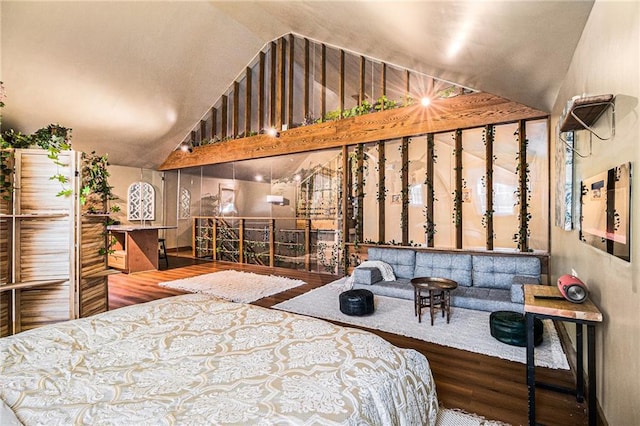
(132, 78)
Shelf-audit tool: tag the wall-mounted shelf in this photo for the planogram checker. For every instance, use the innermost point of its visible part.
(584, 112)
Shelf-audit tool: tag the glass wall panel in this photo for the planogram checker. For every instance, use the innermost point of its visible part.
(170, 212)
(505, 185)
(417, 190)
(393, 190)
(537, 157)
(189, 180)
(443, 187)
(370, 202)
(474, 199)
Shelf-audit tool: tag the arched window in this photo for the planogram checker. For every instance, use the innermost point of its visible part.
(141, 201)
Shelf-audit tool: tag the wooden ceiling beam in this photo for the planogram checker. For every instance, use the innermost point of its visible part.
(443, 115)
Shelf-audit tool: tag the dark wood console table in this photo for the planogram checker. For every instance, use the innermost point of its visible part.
(546, 302)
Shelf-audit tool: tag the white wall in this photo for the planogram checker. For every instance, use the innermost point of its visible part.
(607, 61)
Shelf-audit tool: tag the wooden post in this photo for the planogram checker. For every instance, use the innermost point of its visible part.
(203, 129)
(261, 85)
(383, 81)
(341, 82)
(523, 232)
(458, 191)
(360, 192)
(223, 117)
(307, 244)
(214, 123)
(272, 84)
(489, 184)
(272, 242)
(307, 73)
(431, 226)
(291, 79)
(363, 72)
(214, 239)
(247, 101)
(194, 242)
(407, 89)
(404, 150)
(241, 240)
(281, 84)
(345, 200)
(381, 193)
(236, 107)
(323, 80)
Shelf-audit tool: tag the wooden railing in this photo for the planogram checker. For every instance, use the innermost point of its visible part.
(267, 241)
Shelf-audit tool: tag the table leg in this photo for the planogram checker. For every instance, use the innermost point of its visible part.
(432, 306)
(531, 369)
(579, 364)
(591, 366)
(447, 304)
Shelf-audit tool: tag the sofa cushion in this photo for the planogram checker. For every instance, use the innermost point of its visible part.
(455, 267)
(484, 299)
(499, 271)
(402, 261)
(367, 276)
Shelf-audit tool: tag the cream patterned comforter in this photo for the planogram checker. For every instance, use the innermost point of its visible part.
(195, 359)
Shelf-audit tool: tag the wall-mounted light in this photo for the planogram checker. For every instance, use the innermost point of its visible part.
(259, 178)
(186, 146)
(273, 132)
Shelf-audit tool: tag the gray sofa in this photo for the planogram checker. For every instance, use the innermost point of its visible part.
(486, 282)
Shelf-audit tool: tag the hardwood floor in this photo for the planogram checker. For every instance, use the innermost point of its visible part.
(488, 386)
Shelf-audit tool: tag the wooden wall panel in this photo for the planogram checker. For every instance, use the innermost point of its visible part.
(40, 306)
(37, 191)
(92, 290)
(93, 296)
(44, 248)
(5, 314)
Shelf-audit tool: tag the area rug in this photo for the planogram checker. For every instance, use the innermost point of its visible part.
(236, 286)
(454, 417)
(468, 329)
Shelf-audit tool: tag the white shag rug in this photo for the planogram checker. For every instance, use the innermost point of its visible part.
(468, 329)
(449, 417)
(236, 286)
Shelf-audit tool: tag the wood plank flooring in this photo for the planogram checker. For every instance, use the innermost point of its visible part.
(488, 386)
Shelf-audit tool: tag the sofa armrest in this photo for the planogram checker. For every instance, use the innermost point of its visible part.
(366, 276)
(517, 292)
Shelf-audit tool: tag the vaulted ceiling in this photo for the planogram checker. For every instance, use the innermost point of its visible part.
(132, 78)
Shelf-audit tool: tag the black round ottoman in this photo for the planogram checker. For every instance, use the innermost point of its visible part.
(511, 328)
(356, 302)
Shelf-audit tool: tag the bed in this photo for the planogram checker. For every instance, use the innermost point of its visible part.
(195, 359)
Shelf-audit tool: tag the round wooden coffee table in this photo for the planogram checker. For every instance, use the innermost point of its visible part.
(433, 293)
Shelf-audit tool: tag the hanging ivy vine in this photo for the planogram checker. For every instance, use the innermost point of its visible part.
(456, 215)
(521, 238)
